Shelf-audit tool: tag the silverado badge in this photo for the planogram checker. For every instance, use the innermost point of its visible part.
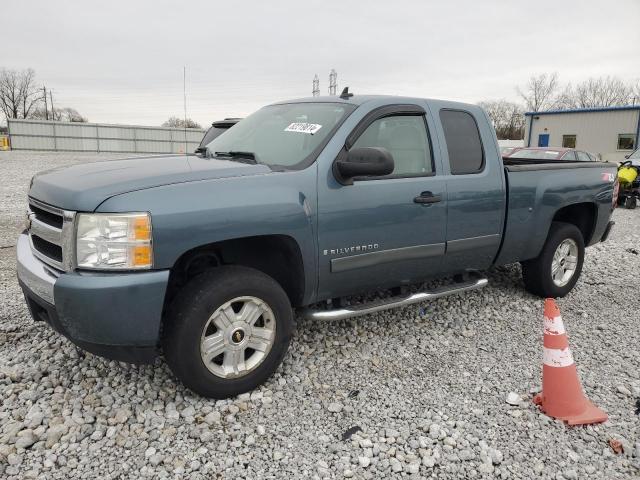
(351, 249)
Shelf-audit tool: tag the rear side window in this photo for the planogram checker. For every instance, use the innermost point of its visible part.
(583, 157)
(463, 142)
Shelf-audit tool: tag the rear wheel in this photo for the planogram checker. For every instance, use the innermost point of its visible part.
(227, 331)
(630, 202)
(556, 270)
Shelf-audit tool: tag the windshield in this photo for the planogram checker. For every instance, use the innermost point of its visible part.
(537, 154)
(282, 135)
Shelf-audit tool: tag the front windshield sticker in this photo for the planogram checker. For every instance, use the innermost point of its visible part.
(303, 128)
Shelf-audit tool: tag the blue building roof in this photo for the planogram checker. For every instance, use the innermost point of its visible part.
(586, 110)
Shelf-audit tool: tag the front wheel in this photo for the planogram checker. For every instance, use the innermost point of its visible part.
(556, 270)
(227, 331)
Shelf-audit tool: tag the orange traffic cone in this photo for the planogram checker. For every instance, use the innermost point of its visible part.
(562, 396)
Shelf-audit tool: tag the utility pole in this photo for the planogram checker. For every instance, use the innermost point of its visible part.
(46, 110)
(53, 113)
(333, 85)
(316, 86)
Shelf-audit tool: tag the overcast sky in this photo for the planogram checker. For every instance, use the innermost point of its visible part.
(122, 61)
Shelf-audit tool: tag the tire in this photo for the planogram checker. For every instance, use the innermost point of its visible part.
(630, 203)
(196, 313)
(537, 273)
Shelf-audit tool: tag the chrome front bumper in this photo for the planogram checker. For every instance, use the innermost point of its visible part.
(33, 273)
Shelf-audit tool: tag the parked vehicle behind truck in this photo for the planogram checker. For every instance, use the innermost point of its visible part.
(215, 130)
(550, 153)
(298, 206)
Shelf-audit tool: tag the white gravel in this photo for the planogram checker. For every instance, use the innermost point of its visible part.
(419, 392)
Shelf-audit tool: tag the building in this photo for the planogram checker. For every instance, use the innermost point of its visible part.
(610, 132)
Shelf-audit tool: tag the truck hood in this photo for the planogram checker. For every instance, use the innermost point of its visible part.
(84, 187)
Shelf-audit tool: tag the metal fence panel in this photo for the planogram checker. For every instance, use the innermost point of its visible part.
(149, 134)
(178, 147)
(32, 143)
(115, 145)
(31, 128)
(98, 137)
(77, 144)
(76, 130)
(192, 136)
(107, 131)
(150, 146)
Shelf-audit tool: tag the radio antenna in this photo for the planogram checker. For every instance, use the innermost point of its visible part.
(184, 94)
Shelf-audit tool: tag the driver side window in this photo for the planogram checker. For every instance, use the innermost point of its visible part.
(405, 137)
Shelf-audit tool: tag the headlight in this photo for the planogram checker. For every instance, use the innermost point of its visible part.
(118, 241)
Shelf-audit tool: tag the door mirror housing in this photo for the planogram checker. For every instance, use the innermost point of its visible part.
(364, 162)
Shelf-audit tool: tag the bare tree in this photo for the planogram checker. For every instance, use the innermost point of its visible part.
(507, 118)
(495, 109)
(19, 96)
(603, 92)
(566, 99)
(539, 92)
(635, 93)
(65, 114)
(176, 122)
(515, 125)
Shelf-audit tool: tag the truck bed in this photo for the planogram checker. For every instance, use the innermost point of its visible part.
(537, 189)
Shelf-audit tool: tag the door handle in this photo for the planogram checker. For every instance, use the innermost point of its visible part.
(427, 197)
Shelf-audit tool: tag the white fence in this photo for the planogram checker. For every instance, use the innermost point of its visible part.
(97, 137)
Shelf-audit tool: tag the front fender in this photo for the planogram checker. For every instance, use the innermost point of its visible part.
(192, 214)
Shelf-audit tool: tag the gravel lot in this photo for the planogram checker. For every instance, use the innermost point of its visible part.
(417, 392)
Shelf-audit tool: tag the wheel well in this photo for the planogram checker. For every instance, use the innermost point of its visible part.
(276, 255)
(582, 215)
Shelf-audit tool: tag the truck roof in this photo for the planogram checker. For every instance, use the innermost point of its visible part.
(361, 99)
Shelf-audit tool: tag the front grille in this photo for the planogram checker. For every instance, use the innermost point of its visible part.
(49, 249)
(52, 219)
(50, 232)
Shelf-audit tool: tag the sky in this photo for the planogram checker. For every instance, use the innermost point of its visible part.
(122, 61)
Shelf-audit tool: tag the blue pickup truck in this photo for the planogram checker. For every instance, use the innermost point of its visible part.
(301, 205)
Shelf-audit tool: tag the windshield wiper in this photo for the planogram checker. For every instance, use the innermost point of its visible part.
(243, 157)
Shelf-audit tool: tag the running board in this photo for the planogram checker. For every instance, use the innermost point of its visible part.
(474, 283)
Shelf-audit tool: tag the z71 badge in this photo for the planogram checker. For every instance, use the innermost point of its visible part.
(352, 249)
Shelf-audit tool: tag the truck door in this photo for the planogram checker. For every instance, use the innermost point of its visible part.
(475, 188)
(384, 231)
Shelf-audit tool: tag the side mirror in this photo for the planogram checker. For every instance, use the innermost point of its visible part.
(364, 162)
